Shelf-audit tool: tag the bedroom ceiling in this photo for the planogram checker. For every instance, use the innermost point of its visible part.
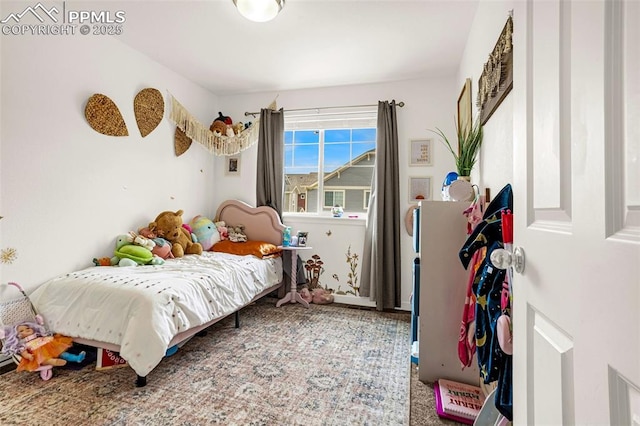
(312, 43)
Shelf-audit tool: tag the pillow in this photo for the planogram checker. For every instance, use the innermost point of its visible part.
(259, 249)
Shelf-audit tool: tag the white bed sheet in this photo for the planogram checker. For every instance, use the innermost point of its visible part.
(142, 308)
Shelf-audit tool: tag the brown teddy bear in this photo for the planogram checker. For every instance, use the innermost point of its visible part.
(168, 225)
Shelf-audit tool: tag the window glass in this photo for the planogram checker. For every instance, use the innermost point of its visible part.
(340, 150)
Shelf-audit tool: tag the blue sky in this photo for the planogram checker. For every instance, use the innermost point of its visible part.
(301, 148)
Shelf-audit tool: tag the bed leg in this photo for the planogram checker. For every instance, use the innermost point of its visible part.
(237, 319)
(141, 381)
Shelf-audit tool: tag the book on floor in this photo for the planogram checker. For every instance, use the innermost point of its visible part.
(458, 401)
(109, 359)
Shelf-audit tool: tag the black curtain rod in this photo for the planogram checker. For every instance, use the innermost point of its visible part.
(247, 113)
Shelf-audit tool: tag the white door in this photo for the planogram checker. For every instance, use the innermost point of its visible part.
(577, 212)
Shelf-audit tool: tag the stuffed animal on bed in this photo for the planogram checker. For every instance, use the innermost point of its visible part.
(36, 346)
(222, 230)
(162, 248)
(168, 225)
(128, 253)
(236, 234)
(205, 231)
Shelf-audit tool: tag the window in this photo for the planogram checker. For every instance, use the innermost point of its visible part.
(367, 195)
(333, 198)
(329, 160)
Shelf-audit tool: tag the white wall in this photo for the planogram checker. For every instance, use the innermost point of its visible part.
(67, 191)
(429, 103)
(495, 164)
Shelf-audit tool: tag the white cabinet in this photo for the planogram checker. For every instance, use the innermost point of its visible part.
(443, 287)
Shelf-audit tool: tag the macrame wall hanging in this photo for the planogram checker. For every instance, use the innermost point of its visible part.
(191, 129)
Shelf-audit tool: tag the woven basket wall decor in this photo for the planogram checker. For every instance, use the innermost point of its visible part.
(104, 117)
(182, 142)
(148, 107)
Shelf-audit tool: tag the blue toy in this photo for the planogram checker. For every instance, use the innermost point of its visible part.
(205, 231)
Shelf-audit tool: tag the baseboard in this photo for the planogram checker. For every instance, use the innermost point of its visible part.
(363, 302)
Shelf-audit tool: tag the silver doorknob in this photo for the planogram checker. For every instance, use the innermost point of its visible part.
(503, 259)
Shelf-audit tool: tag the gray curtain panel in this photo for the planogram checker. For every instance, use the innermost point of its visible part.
(381, 278)
(270, 167)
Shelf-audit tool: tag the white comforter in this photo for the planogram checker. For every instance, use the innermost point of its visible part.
(142, 308)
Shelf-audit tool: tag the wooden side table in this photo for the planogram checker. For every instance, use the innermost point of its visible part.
(293, 296)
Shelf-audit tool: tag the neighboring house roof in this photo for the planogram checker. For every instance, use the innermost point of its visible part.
(358, 159)
(299, 183)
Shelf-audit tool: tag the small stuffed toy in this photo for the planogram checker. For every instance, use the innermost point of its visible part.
(224, 118)
(236, 234)
(141, 240)
(162, 248)
(238, 127)
(37, 347)
(168, 225)
(102, 261)
(218, 128)
(321, 296)
(127, 253)
(223, 230)
(305, 294)
(205, 231)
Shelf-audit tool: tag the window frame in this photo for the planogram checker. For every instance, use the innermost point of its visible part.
(365, 199)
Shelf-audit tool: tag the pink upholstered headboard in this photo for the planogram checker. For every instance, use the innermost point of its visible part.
(261, 223)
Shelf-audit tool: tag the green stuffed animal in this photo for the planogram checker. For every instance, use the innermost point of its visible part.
(132, 250)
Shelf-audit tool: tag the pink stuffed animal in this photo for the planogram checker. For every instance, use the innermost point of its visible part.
(162, 248)
(223, 230)
(306, 295)
(321, 296)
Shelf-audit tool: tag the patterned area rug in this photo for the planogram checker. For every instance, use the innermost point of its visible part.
(327, 365)
(423, 403)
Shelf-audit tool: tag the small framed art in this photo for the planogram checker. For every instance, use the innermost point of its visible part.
(419, 189)
(233, 165)
(421, 152)
(464, 108)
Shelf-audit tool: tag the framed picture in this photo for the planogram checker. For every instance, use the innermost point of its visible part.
(233, 166)
(419, 189)
(464, 107)
(421, 152)
(492, 87)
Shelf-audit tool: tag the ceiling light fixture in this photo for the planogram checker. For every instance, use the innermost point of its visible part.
(259, 10)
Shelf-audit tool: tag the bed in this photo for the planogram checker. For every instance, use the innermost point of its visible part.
(142, 312)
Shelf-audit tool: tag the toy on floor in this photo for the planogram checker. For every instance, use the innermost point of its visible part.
(28, 342)
(37, 347)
